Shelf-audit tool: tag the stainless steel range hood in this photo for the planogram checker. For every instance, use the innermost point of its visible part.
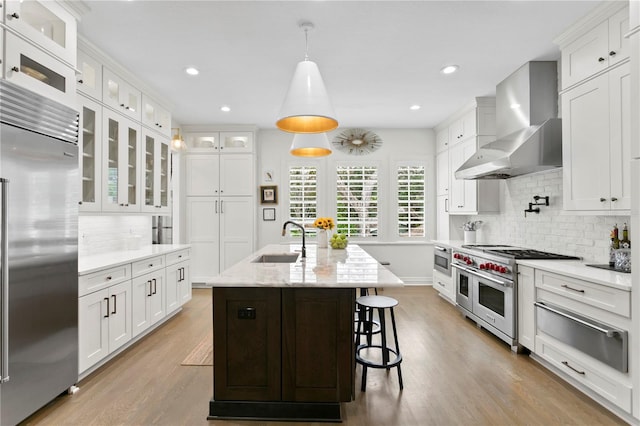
(529, 134)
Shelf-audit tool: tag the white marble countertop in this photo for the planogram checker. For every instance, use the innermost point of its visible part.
(96, 262)
(571, 268)
(323, 267)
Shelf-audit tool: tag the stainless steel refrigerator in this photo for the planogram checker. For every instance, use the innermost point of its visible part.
(39, 251)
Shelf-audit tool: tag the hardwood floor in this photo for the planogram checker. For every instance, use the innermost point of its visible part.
(454, 374)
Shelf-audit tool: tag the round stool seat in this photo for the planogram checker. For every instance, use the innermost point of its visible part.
(377, 302)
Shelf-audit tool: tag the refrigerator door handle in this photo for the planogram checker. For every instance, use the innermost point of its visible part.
(4, 283)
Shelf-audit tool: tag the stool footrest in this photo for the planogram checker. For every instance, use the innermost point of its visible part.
(374, 364)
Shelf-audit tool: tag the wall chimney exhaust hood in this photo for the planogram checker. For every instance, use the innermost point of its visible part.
(529, 134)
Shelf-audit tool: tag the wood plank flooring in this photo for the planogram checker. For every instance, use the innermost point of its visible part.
(454, 374)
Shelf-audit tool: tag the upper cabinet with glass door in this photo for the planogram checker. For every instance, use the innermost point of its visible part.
(121, 157)
(45, 23)
(120, 95)
(156, 173)
(220, 142)
(155, 117)
(90, 78)
(90, 154)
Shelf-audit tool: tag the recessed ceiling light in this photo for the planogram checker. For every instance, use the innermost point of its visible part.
(192, 71)
(414, 107)
(225, 108)
(449, 69)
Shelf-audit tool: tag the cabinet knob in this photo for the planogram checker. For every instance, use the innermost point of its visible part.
(612, 53)
(14, 15)
(614, 199)
(602, 200)
(601, 59)
(80, 81)
(15, 69)
(122, 105)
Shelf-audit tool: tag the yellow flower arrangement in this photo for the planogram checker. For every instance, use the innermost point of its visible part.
(325, 223)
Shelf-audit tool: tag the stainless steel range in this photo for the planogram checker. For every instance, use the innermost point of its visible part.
(487, 288)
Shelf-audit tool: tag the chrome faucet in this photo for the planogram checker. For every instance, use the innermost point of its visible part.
(284, 232)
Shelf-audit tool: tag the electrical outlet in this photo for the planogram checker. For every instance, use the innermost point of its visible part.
(247, 313)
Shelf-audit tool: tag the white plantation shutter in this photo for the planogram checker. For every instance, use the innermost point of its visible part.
(411, 201)
(357, 201)
(303, 186)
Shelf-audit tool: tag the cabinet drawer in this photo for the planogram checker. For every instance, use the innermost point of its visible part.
(147, 265)
(102, 279)
(601, 379)
(607, 298)
(444, 285)
(176, 256)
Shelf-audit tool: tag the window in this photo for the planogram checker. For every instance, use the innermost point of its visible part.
(411, 204)
(357, 201)
(303, 184)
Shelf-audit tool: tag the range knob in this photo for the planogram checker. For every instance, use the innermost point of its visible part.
(483, 266)
(466, 259)
(469, 261)
(503, 270)
(456, 255)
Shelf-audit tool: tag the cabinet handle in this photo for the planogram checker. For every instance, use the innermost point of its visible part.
(221, 206)
(601, 59)
(566, 364)
(149, 295)
(577, 290)
(602, 200)
(15, 69)
(114, 304)
(216, 206)
(14, 15)
(107, 315)
(614, 199)
(612, 53)
(151, 265)
(109, 278)
(154, 286)
(122, 105)
(441, 285)
(446, 205)
(80, 81)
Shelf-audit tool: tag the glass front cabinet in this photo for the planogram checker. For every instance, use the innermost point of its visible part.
(156, 166)
(121, 157)
(90, 154)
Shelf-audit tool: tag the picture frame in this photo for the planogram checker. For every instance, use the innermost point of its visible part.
(269, 214)
(269, 194)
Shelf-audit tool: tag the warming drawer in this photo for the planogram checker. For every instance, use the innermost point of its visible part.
(600, 341)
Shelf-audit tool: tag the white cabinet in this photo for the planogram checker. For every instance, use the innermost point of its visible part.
(526, 312)
(217, 175)
(120, 95)
(463, 128)
(178, 288)
(463, 192)
(155, 169)
(104, 323)
(155, 116)
(445, 286)
(442, 173)
(596, 133)
(442, 217)
(28, 66)
(90, 154)
(121, 158)
(45, 23)
(90, 78)
(442, 140)
(148, 300)
(596, 50)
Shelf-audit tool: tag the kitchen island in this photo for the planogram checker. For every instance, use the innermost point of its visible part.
(284, 332)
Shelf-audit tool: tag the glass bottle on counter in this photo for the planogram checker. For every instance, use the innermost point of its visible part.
(614, 245)
(624, 242)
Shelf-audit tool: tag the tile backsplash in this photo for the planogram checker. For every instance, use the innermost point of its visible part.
(99, 234)
(552, 229)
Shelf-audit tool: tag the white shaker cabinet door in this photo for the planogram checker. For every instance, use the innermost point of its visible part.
(93, 329)
(119, 315)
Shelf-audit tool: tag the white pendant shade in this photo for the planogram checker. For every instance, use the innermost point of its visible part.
(310, 145)
(306, 108)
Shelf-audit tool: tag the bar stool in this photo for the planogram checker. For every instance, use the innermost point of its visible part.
(381, 304)
(370, 326)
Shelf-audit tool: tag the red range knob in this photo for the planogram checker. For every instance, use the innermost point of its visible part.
(503, 270)
(469, 261)
(483, 266)
(456, 256)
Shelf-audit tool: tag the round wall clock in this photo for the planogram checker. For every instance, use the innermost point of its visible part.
(357, 141)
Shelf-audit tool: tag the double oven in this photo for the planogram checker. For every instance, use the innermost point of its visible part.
(487, 287)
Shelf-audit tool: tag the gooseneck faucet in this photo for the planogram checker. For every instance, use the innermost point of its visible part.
(284, 232)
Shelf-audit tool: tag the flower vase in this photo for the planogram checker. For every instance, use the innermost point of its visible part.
(323, 238)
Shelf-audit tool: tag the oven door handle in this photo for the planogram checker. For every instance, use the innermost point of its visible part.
(606, 331)
(477, 274)
(439, 248)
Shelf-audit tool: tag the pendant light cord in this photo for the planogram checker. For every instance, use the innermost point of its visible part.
(306, 44)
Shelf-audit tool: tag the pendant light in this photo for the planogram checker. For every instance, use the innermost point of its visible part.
(310, 145)
(177, 143)
(306, 107)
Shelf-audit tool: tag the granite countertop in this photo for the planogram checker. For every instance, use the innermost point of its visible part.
(96, 262)
(323, 267)
(571, 268)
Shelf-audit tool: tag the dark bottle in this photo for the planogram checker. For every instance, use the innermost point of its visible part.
(624, 242)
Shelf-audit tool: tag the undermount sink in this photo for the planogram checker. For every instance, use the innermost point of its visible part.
(277, 258)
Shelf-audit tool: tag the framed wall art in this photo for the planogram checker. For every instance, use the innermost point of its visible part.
(269, 194)
(269, 214)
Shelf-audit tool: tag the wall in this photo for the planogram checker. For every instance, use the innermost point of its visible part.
(99, 234)
(398, 144)
(552, 229)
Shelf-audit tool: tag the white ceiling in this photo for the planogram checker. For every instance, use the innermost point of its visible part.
(376, 57)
